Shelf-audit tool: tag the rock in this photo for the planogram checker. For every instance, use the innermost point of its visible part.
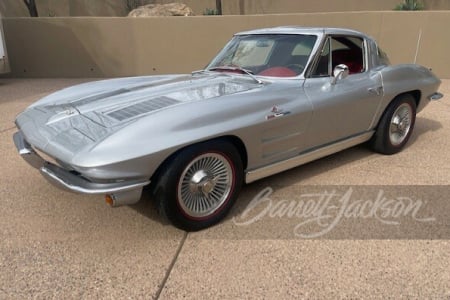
(156, 10)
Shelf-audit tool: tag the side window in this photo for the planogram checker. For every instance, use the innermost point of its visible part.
(338, 50)
(382, 57)
(350, 52)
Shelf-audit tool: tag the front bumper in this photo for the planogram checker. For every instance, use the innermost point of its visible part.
(123, 192)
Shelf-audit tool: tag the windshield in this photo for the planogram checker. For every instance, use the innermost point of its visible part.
(275, 55)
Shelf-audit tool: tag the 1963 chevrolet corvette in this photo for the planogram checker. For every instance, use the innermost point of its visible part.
(271, 100)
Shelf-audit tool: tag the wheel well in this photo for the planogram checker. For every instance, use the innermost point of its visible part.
(415, 93)
(237, 142)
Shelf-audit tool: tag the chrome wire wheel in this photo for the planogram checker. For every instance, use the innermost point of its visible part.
(205, 185)
(198, 185)
(400, 124)
(395, 126)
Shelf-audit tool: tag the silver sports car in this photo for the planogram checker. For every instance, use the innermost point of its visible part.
(271, 100)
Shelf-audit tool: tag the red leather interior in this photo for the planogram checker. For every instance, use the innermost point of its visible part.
(352, 60)
(278, 72)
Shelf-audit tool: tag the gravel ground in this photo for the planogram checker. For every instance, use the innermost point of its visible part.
(64, 246)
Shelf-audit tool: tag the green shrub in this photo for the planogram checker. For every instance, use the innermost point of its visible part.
(409, 5)
(211, 12)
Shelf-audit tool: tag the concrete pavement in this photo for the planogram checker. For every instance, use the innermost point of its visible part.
(65, 246)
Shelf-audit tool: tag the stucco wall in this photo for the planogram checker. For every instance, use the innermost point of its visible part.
(4, 63)
(62, 8)
(302, 6)
(95, 47)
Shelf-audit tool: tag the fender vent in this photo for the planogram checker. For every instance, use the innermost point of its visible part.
(140, 108)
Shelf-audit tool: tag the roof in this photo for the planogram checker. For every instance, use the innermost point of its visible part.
(301, 30)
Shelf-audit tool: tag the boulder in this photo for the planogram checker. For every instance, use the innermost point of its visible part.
(157, 10)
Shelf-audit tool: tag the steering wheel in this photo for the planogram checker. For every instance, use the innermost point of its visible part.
(297, 68)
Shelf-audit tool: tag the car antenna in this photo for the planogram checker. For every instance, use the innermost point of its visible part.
(418, 45)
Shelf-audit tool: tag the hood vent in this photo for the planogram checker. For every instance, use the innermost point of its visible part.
(140, 108)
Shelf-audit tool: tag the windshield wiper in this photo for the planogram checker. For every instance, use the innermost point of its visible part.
(236, 68)
(199, 72)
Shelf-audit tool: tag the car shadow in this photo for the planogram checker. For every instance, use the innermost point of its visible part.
(323, 165)
(146, 206)
(298, 174)
(422, 126)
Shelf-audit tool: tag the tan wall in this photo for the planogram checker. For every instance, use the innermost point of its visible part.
(437, 4)
(93, 47)
(248, 7)
(62, 8)
(4, 63)
(302, 6)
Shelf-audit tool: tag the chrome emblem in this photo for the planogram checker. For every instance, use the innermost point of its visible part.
(69, 112)
(276, 112)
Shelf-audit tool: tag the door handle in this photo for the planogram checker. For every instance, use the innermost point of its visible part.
(277, 115)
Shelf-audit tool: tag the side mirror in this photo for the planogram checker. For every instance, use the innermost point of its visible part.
(340, 72)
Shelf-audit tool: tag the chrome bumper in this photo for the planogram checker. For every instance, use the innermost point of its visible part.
(123, 193)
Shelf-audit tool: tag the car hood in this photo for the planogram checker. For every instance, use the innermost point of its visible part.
(63, 123)
(111, 102)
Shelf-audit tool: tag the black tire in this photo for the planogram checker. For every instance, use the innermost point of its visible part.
(197, 187)
(396, 126)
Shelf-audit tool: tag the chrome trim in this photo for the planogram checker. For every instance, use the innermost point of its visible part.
(26, 151)
(69, 181)
(74, 183)
(126, 197)
(304, 158)
(435, 96)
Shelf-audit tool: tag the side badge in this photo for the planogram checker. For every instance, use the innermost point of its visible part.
(276, 112)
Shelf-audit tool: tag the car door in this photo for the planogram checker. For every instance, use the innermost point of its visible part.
(343, 107)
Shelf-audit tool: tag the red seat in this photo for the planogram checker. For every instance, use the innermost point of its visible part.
(278, 72)
(352, 60)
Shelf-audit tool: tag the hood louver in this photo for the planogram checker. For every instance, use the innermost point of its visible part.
(140, 108)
